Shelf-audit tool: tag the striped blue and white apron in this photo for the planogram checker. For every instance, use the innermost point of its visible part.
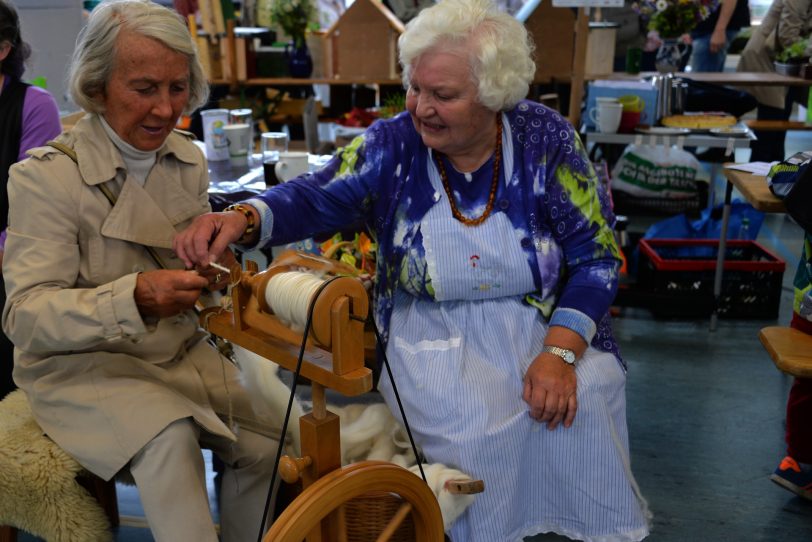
(458, 363)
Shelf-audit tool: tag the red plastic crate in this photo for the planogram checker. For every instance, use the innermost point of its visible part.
(678, 274)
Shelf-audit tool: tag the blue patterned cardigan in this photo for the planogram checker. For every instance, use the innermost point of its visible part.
(552, 198)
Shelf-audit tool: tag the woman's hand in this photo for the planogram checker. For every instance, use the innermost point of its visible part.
(549, 390)
(218, 279)
(167, 292)
(550, 383)
(207, 237)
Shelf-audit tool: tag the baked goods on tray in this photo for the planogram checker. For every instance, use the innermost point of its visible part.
(699, 121)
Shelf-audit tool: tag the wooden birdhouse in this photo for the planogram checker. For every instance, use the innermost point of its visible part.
(552, 30)
(362, 43)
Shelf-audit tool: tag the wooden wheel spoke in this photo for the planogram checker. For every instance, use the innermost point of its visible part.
(394, 523)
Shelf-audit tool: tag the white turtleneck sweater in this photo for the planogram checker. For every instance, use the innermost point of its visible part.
(138, 162)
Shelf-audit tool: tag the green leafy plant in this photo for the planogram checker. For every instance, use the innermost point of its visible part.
(796, 52)
(293, 17)
(392, 105)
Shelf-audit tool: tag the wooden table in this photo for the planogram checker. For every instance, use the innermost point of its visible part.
(755, 190)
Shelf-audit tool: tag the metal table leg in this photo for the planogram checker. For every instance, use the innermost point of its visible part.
(720, 256)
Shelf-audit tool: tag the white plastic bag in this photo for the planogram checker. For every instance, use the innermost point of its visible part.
(648, 171)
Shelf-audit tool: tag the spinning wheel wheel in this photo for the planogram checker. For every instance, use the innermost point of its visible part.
(334, 490)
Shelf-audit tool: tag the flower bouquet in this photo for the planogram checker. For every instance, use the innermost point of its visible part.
(673, 18)
(293, 17)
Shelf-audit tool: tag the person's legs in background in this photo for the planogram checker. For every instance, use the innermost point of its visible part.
(703, 60)
(795, 471)
(769, 145)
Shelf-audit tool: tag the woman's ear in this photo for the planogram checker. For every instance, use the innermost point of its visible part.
(5, 49)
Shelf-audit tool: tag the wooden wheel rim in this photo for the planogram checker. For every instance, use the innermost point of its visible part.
(336, 488)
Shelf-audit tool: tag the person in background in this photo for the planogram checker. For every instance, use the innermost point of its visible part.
(108, 351)
(630, 35)
(795, 470)
(406, 10)
(712, 37)
(29, 117)
(785, 22)
(496, 266)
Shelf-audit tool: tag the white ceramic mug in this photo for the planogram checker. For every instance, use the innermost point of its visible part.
(239, 139)
(606, 116)
(291, 164)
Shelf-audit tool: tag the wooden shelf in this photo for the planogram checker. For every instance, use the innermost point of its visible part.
(719, 78)
(288, 81)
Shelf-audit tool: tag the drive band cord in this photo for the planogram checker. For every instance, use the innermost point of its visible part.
(284, 430)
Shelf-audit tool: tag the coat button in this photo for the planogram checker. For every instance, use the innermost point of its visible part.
(526, 242)
(504, 204)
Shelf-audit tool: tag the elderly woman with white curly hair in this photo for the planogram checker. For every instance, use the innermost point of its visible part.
(108, 348)
(496, 268)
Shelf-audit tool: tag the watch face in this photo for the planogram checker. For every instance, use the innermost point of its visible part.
(567, 355)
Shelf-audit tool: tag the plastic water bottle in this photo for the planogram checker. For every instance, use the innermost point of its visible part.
(744, 230)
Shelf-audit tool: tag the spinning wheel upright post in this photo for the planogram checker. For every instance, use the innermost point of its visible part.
(334, 358)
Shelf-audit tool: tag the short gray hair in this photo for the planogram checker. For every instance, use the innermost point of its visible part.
(501, 57)
(94, 57)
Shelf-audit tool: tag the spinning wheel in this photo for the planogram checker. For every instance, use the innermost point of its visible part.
(334, 358)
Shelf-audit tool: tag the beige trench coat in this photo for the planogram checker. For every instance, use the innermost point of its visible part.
(102, 382)
(790, 20)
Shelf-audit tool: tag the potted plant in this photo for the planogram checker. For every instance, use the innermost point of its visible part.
(294, 18)
(789, 60)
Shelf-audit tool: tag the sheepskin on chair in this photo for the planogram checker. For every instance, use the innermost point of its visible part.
(38, 488)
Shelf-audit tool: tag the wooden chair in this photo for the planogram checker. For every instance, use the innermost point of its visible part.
(790, 349)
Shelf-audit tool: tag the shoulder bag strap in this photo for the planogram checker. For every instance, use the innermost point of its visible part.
(107, 193)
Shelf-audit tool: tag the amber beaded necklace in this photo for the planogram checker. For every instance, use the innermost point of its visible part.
(497, 159)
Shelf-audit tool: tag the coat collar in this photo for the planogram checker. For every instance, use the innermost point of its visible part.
(145, 214)
(99, 159)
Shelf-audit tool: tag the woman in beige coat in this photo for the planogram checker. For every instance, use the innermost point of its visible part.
(785, 22)
(108, 348)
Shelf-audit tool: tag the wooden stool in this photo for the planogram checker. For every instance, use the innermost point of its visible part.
(43, 490)
(790, 349)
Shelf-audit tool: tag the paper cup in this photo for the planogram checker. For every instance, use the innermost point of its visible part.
(239, 139)
(214, 122)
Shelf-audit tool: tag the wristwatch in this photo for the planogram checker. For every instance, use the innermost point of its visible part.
(568, 356)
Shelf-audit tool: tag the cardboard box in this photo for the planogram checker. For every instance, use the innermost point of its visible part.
(615, 89)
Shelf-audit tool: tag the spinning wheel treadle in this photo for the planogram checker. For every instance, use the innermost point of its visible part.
(334, 358)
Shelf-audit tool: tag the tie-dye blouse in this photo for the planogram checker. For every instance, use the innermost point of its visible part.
(551, 196)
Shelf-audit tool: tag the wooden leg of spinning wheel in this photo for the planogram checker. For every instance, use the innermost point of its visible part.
(320, 442)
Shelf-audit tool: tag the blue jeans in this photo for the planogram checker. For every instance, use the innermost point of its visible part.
(702, 60)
